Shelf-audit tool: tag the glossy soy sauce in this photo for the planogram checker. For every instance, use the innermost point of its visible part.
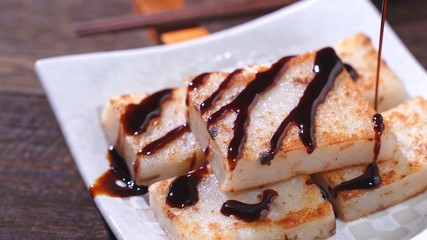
(136, 117)
(106, 183)
(160, 143)
(327, 66)
(198, 81)
(243, 104)
(380, 47)
(378, 129)
(183, 189)
(371, 178)
(250, 212)
(211, 100)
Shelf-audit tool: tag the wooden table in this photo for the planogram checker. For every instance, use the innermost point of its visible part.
(42, 195)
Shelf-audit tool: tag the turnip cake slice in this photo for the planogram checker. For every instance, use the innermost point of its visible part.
(150, 132)
(267, 123)
(360, 57)
(292, 209)
(402, 177)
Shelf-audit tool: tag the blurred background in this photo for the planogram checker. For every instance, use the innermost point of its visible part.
(42, 195)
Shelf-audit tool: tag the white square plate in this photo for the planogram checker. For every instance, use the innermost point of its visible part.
(78, 86)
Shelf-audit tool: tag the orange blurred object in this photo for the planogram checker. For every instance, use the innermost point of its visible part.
(150, 6)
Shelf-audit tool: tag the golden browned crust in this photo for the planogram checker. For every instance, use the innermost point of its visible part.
(296, 218)
(204, 220)
(402, 177)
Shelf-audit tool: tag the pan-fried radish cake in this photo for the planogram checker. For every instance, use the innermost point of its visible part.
(402, 177)
(150, 132)
(360, 59)
(300, 115)
(191, 206)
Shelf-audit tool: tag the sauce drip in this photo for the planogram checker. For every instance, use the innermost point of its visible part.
(327, 66)
(378, 128)
(250, 212)
(136, 118)
(211, 100)
(351, 71)
(106, 183)
(198, 81)
(158, 144)
(243, 104)
(183, 190)
(380, 47)
(325, 194)
(371, 178)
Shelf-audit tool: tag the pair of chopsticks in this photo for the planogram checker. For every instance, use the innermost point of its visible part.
(182, 16)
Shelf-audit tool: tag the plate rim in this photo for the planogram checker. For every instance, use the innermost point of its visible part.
(44, 64)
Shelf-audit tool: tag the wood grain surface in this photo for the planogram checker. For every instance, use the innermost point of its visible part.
(42, 195)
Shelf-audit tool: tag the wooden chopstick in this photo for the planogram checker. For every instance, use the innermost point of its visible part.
(182, 16)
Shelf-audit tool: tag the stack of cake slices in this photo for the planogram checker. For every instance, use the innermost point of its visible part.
(270, 134)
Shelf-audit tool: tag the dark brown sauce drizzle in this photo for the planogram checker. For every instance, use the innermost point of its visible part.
(106, 183)
(243, 104)
(250, 212)
(198, 81)
(378, 128)
(380, 47)
(351, 71)
(325, 194)
(327, 66)
(136, 118)
(158, 144)
(183, 189)
(211, 100)
(371, 178)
